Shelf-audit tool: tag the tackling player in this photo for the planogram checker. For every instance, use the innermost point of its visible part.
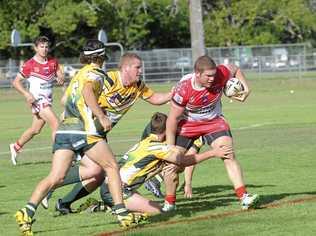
(147, 158)
(121, 90)
(78, 133)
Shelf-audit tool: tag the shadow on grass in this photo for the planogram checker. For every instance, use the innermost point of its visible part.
(207, 192)
(189, 207)
(4, 213)
(35, 163)
(268, 199)
(2, 186)
(204, 199)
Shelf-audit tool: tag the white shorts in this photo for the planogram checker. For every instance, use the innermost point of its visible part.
(40, 104)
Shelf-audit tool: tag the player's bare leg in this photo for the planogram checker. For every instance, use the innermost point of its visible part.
(235, 174)
(138, 203)
(171, 178)
(48, 115)
(36, 127)
(102, 154)
(60, 164)
(89, 168)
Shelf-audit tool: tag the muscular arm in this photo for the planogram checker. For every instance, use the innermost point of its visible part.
(92, 103)
(60, 75)
(177, 157)
(17, 84)
(236, 72)
(159, 98)
(172, 122)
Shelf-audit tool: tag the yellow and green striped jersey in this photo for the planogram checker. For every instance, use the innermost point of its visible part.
(78, 117)
(116, 99)
(145, 157)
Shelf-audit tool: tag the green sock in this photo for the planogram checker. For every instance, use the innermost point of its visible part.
(72, 176)
(78, 191)
(106, 195)
(30, 209)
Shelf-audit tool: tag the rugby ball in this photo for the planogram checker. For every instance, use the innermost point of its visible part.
(233, 87)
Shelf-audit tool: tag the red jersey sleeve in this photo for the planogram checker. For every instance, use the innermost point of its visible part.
(26, 69)
(223, 74)
(181, 93)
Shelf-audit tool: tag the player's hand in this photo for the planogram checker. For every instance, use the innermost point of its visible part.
(223, 151)
(170, 168)
(241, 96)
(60, 80)
(187, 191)
(30, 99)
(106, 123)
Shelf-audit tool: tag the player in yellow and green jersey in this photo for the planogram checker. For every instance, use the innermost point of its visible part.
(121, 90)
(78, 134)
(147, 158)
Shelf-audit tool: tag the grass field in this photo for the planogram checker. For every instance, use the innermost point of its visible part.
(275, 140)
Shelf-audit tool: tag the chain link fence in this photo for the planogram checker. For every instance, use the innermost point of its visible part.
(165, 65)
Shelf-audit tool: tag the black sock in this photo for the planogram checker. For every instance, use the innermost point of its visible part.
(30, 209)
(78, 191)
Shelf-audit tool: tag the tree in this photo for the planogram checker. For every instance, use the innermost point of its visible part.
(250, 22)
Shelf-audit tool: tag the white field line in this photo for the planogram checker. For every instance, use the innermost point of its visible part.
(130, 140)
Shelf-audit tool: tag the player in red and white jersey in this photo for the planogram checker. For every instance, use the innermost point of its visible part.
(196, 110)
(40, 71)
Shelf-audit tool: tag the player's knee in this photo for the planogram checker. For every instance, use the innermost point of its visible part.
(55, 181)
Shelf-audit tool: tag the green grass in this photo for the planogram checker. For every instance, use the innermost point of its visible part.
(275, 136)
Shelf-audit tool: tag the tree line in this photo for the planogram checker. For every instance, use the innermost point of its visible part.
(150, 24)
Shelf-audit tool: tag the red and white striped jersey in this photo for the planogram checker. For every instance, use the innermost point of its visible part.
(202, 105)
(40, 76)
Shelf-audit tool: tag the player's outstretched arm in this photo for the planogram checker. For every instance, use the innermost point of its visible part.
(159, 98)
(177, 157)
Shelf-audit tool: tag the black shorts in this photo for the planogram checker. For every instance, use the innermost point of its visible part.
(186, 142)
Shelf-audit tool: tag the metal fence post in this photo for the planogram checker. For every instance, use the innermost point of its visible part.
(144, 74)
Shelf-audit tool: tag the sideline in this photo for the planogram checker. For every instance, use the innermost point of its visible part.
(210, 216)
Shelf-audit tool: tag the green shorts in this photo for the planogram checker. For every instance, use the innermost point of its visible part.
(75, 142)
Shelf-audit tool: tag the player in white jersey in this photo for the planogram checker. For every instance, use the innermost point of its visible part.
(40, 71)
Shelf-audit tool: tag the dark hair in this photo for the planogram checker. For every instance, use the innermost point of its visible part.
(126, 58)
(41, 39)
(158, 123)
(204, 63)
(93, 52)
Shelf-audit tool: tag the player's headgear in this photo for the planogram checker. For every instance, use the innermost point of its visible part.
(94, 48)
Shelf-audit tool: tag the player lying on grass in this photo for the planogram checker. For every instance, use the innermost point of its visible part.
(153, 184)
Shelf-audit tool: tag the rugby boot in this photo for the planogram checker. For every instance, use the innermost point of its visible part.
(24, 221)
(249, 201)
